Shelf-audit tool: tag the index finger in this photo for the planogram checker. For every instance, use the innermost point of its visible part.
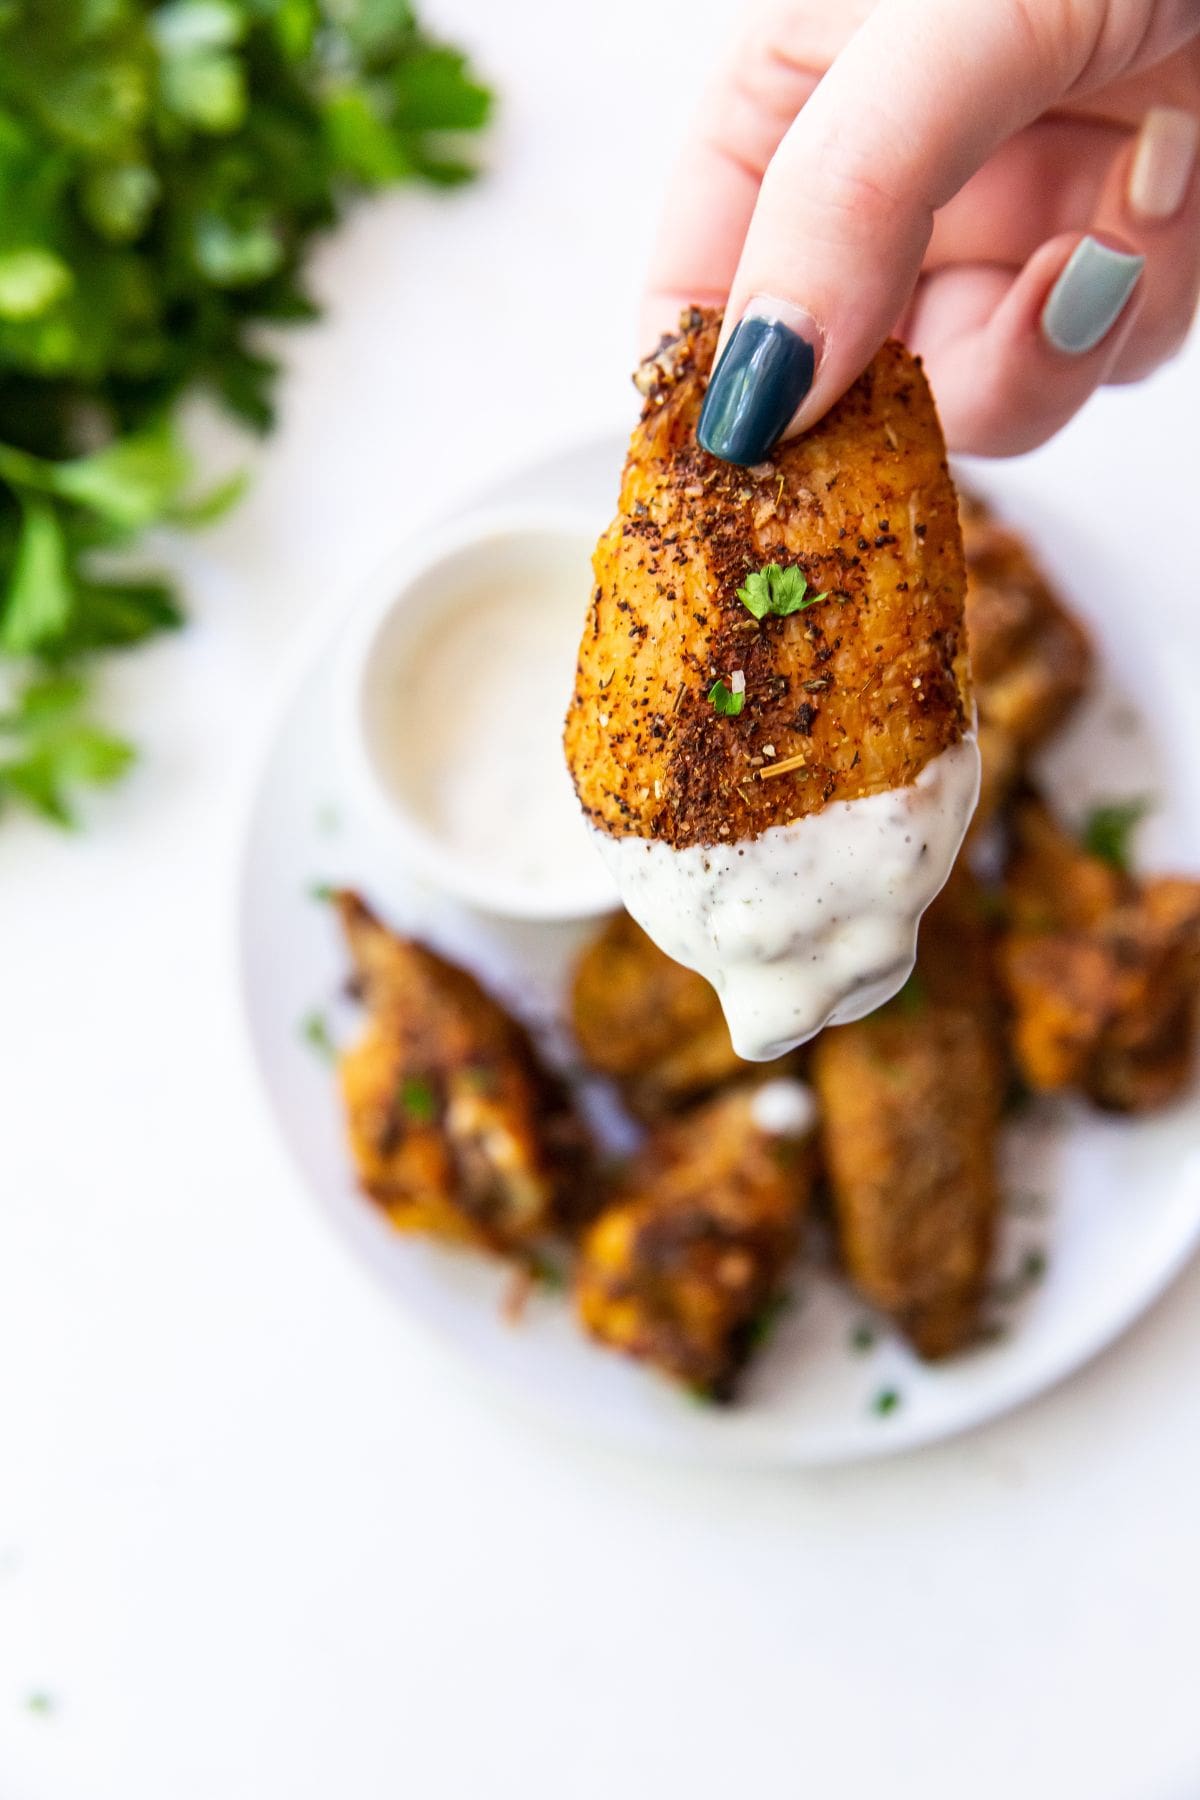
(714, 187)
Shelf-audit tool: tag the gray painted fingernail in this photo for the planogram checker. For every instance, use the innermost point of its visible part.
(1089, 296)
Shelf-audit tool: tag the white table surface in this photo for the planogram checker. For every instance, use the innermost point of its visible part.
(258, 1541)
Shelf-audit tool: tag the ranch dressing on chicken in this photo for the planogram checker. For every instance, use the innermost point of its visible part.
(815, 922)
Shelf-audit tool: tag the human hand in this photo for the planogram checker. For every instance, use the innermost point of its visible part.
(1009, 185)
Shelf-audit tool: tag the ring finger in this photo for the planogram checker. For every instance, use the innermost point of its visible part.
(1046, 180)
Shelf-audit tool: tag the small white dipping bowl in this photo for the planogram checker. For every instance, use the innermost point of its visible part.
(453, 691)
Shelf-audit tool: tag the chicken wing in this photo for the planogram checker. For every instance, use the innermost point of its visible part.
(694, 1246)
(763, 645)
(910, 1109)
(653, 1027)
(1102, 971)
(456, 1127)
(1031, 659)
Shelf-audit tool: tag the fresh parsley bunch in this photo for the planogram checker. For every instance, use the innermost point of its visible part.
(162, 170)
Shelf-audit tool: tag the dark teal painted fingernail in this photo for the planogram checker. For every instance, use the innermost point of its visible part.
(764, 373)
(1089, 296)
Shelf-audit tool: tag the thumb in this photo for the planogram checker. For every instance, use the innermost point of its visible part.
(916, 102)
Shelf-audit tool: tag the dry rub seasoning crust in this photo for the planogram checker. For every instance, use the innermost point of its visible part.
(695, 1242)
(857, 692)
(910, 1116)
(456, 1126)
(1102, 970)
(1031, 659)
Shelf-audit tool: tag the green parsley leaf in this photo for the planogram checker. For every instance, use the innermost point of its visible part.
(210, 507)
(763, 1326)
(109, 615)
(1108, 830)
(863, 1338)
(777, 591)
(361, 141)
(434, 91)
(238, 253)
(39, 598)
(118, 200)
(377, 27)
(1030, 1272)
(912, 998)
(44, 700)
(724, 700)
(31, 280)
(699, 1396)
(244, 381)
(417, 1100)
(295, 26)
(885, 1401)
(314, 1029)
(549, 1275)
(130, 483)
(206, 89)
(182, 27)
(47, 751)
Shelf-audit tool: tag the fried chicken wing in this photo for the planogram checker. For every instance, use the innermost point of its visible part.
(910, 1111)
(1031, 659)
(456, 1127)
(862, 687)
(1000, 764)
(679, 1266)
(652, 1026)
(709, 735)
(1102, 971)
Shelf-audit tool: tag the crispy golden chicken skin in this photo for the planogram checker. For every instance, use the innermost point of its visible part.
(1031, 659)
(649, 1024)
(695, 1244)
(858, 691)
(455, 1127)
(1102, 971)
(1000, 766)
(910, 1111)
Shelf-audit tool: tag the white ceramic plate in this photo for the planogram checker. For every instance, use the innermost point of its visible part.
(1113, 1207)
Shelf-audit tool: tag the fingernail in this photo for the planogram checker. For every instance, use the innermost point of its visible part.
(764, 372)
(1089, 296)
(1164, 160)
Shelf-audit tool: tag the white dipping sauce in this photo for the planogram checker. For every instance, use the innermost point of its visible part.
(815, 922)
(784, 1108)
(472, 717)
